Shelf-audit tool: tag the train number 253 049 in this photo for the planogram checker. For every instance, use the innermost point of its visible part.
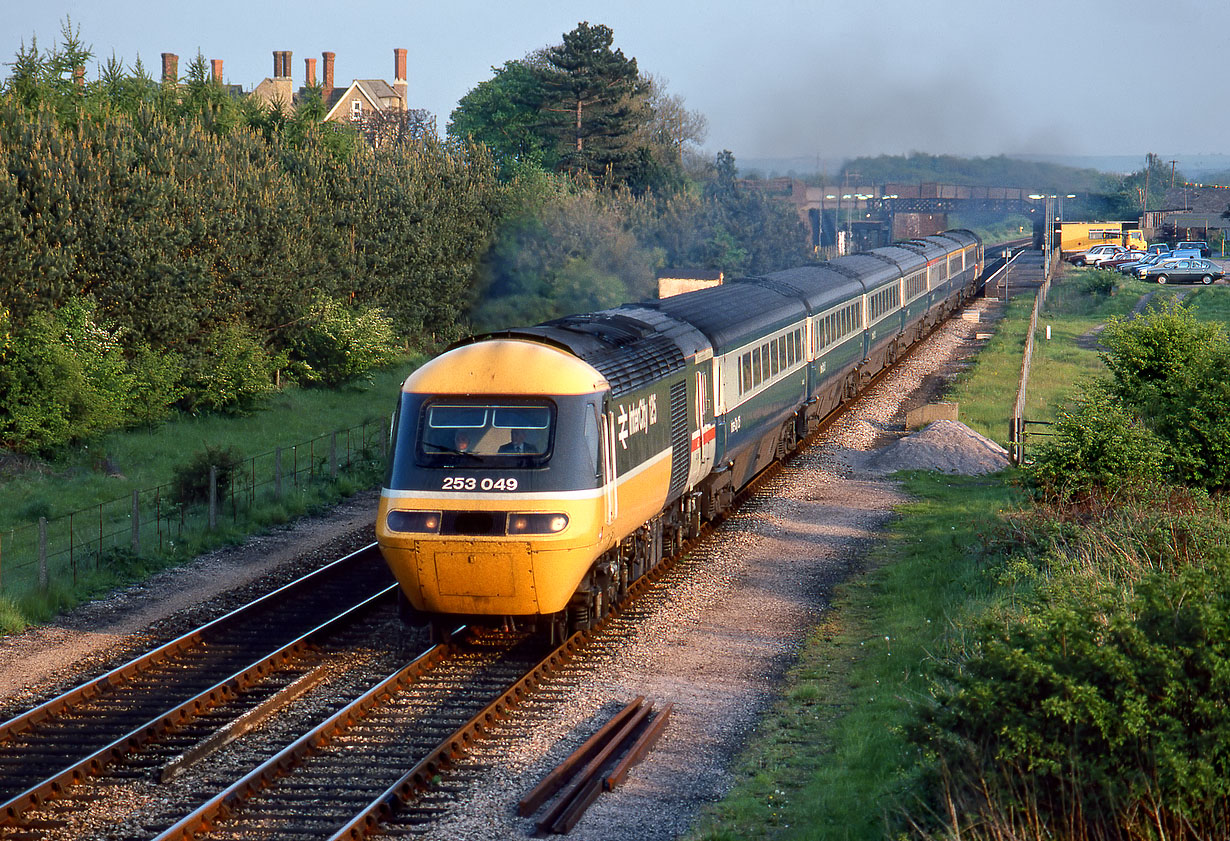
(471, 483)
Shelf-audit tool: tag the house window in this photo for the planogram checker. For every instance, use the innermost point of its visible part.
(356, 109)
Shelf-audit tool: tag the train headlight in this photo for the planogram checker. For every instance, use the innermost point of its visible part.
(537, 523)
(422, 522)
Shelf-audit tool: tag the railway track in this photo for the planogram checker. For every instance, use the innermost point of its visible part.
(181, 690)
(410, 723)
(375, 763)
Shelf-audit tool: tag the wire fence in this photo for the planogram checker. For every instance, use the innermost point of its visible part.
(1016, 429)
(159, 521)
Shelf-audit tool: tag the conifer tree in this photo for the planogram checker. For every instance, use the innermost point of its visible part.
(596, 98)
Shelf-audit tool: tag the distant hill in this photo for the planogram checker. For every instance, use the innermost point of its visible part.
(1196, 167)
(800, 167)
(999, 171)
(1200, 168)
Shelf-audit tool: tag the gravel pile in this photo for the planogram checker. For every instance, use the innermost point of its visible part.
(946, 446)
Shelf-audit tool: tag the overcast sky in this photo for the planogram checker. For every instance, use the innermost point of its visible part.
(776, 78)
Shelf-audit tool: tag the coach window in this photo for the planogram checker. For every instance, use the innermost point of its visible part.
(756, 367)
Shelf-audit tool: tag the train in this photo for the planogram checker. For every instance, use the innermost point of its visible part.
(537, 472)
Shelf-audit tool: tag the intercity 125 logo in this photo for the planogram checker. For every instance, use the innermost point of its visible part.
(636, 417)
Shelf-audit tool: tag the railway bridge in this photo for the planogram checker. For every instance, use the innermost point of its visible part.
(845, 219)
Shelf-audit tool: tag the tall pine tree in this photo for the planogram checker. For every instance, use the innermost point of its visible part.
(597, 100)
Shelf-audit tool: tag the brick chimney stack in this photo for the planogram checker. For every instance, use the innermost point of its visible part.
(309, 66)
(215, 65)
(327, 85)
(399, 75)
(283, 89)
(170, 68)
(281, 64)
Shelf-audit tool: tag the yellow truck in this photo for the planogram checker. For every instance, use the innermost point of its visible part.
(1075, 237)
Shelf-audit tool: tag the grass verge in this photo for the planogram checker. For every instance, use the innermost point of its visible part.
(178, 533)
(830, 762)
(79, 478)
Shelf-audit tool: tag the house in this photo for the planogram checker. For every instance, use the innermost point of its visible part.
(361, 100)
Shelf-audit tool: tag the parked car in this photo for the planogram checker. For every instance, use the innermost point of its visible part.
(1100, 259)
(1202, 247)
(1085, 258)
(1148, 260)
(1186, 252)
(1119, 259)
(1183, 270)
(1158, 248)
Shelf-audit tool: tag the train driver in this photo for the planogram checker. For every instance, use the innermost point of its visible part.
(517, 443)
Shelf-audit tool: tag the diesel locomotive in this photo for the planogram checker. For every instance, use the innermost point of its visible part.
(538, 471)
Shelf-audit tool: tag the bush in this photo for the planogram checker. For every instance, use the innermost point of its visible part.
(191, 481)
(1098, 444)
(1095, 715)
(1099, 282)
(64, 378)
(1174, 372)
(340, 344)
(232, 373)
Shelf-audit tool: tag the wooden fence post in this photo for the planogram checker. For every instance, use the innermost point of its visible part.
(136, 522)
(213, 497)
(42, 553)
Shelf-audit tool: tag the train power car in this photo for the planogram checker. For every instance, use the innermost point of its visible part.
(537, 472)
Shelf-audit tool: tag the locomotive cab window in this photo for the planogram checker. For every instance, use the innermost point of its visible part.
(476, 434)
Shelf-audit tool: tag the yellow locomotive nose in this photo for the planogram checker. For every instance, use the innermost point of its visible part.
(532, 566)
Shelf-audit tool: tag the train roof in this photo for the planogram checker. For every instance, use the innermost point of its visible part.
(908, 257)
(873, 270)
(631, 346)
(962, 236)
(820, 286)
(732, 314)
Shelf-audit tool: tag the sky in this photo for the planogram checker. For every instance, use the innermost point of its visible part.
(826, 79)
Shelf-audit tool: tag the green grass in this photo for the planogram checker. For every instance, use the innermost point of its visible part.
(1072, 355)
(987, 390)
(93, 552)
(830, 762)
(148, 458)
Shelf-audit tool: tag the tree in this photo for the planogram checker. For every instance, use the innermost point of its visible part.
(51, 77)
(671, 125)
(203, 99)
(598, 100)
(1174, 372)
(503, 114)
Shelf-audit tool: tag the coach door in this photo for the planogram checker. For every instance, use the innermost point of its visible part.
(704, 424)
(610, 493)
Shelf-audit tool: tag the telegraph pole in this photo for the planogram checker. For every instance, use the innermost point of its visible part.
(1144, 207)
